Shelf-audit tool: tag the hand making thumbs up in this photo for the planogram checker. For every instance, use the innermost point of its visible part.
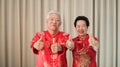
(55, 47)
(39, 44)
(70, 43)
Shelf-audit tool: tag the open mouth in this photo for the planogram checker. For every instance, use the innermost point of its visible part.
(81, 31)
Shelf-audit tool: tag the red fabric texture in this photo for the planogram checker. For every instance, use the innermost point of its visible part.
(80, 44)
(45, 56)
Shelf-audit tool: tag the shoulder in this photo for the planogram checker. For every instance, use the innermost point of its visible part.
(38, 34)
(75, 38)
(64, 33)
(91, 37)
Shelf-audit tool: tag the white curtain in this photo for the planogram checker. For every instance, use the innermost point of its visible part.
(21, 19)
(118, 34)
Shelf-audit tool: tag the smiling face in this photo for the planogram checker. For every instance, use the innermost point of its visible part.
(53, 22)
(81, 28)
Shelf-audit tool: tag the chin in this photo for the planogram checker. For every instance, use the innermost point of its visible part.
(53, 29)
(81, 34)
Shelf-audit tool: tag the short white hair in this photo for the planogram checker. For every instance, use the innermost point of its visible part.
(53, 12)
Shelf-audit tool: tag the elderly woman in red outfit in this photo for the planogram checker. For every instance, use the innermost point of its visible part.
(51, 45)
(85, 45)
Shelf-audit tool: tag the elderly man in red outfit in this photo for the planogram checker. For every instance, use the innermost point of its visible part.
(51, 45)
(85, 45)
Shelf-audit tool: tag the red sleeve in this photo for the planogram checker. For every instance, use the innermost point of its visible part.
(91, 52)
(34, 39)
(64, 39)
(95, 38)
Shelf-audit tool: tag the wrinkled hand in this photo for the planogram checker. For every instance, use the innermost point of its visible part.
(85, 60)
(55, 48)
(94, 43)
(70, 44)
(39, 44)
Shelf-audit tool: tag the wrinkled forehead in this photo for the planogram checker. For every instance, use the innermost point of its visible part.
(54, 15)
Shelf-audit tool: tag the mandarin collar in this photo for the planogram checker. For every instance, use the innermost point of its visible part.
(51, 34)
(82, 38)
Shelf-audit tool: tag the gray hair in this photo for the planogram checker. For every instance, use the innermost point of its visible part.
(53, 12)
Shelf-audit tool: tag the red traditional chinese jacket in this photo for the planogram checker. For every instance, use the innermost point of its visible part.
(45, 58)
(89, 44)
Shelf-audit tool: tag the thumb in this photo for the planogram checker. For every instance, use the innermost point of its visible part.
(70, 38)
(90, 36)
(54, 40)
(40, 38)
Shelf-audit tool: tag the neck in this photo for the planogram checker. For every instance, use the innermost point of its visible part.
(82, 36)
(53, 32)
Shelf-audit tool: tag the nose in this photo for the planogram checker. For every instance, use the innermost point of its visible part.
(54, 21)
(81, 29)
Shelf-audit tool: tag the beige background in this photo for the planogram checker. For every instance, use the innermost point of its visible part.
(20, 19)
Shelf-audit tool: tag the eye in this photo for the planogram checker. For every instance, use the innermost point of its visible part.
(83, 26)
(77, 26)
(57, 20)
(51, 19)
